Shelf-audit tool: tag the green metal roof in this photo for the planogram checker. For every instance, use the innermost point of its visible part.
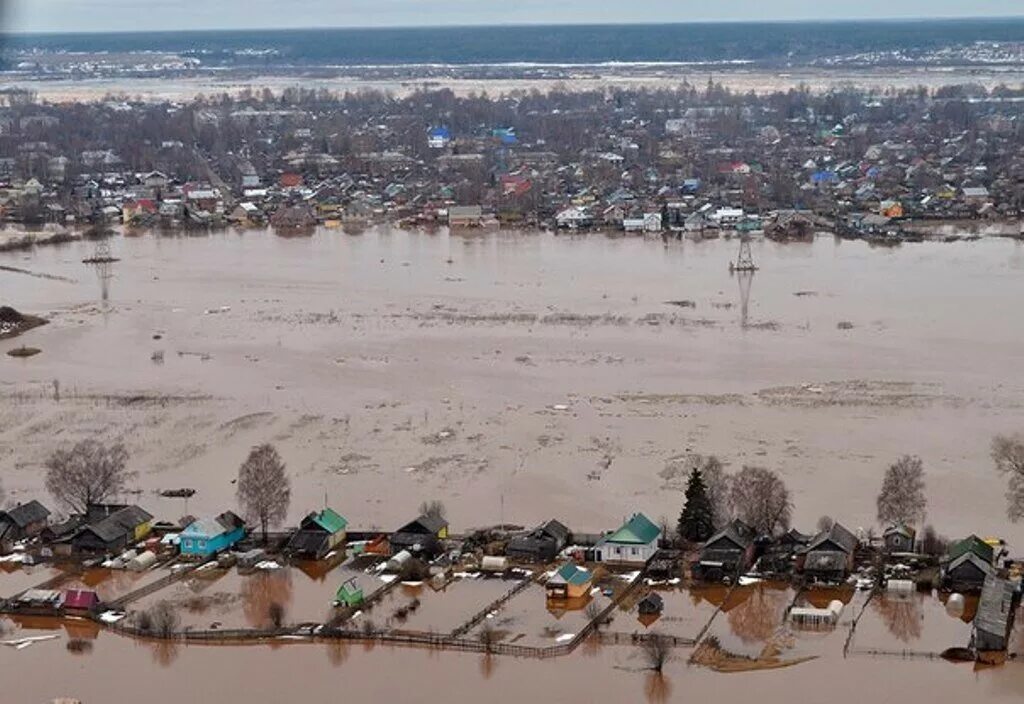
(971, 544)
(330, 521)
(573, 574)
(637, 530)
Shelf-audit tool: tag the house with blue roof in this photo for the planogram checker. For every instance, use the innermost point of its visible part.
(635, 541)
(439, 137)
(205, 537)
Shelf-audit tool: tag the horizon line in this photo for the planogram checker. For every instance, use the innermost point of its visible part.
(502, 25)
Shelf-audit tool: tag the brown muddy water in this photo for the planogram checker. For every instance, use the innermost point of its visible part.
(521, 376)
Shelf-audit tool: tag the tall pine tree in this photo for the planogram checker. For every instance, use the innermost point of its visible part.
(697, 521)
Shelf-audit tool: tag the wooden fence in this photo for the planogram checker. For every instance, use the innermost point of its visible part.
(493, 606)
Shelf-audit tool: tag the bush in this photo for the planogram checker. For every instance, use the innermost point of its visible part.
(275, 613)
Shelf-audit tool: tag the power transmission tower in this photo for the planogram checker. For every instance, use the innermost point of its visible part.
(101, 260)
(745, 278)
(744, 260)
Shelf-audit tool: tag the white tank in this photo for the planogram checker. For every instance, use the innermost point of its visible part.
(955, 605)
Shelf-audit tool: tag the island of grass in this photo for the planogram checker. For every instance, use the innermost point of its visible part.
(13, 323)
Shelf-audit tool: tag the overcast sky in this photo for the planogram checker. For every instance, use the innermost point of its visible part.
(128, 15)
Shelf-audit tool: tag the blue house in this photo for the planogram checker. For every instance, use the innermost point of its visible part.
(209, 536)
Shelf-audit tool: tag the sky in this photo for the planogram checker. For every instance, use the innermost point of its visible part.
(142, 15)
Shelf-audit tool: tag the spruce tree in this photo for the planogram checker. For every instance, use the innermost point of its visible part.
(697, 521)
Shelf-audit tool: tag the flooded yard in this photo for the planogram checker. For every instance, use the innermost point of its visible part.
(531, 619)
(687, 611)
(16, 578)
(916, 622)
(444, 610)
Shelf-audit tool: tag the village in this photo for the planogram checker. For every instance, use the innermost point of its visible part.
(886, 166)
(738, 593)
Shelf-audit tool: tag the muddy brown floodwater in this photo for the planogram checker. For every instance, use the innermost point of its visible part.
(521, 376)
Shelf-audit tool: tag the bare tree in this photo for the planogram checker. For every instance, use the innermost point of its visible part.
(434, 509)
(88, 473)
(760, 499)
(825, 523)
(264, 490)
(160, 620)
(275, 614)
(488, 636)
(1008, 455)
(657, 650)
(717, 482)
(902, 500)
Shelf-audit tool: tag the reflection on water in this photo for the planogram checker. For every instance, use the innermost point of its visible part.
(165, 652)
(337, 652)
(263, 592)
(657, 688)
(901, 615)
(757, 617)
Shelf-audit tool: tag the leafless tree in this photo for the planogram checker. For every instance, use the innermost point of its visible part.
(161, 620)
(434, 509)
(488, 637)
(656, 650)
(760, 499)
(1008, 455)
(717, 485)
(825, 523)
(275, 614)
(264, 490)
(89, 473)
(932, 543)
(902, 499)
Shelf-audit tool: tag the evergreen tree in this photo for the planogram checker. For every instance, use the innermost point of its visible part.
(697, 521)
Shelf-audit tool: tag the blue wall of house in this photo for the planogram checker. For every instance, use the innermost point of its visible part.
(197, 544)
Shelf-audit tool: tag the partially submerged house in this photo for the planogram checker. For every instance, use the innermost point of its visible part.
(651, 605)
(829, 557)
(569, 582)
(967, 564)
(21, 522)
(209, 536)
(120, 527)
(318, 534)
(727, 553)
(422, 536)
(542, 544)
(899, 538)
(635, 542)
(81, 601)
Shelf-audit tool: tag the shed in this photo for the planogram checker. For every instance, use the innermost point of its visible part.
(422, 535)
(829, 556)
(82, 600)
(899, 538)
(996, 612)
(727, 553)
(23, 521)
(651, 604)
(492, 563)
(349, 594)
(569, 582)
(542, 544)
(318, 534)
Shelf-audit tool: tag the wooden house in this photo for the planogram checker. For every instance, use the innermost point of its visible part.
(21, 522)
(318, 534)
(829, 557)
(205, 537)
(967, 564)
(542, 544)
(899, 538)
(122, 527)
(569, 582)
(422, 536)
(635, 541)
(727, 553)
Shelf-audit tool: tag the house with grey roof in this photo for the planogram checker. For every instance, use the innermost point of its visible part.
(542, 544)
(829, 557)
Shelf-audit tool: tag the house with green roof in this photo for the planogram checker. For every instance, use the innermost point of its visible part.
(318, 534)
(569, 582)
(635, 542)
(967, 564)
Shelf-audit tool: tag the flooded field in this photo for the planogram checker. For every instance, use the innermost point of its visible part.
(16, 578)
(444, 610)
(229, 599)
(531, 619)
(566, 382)
(913, 622)
(172, 674)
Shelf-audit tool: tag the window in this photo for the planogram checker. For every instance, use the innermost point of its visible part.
(202, 544)
(636, 551)
(188, 544)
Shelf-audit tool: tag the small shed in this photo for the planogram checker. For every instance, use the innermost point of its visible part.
(899, 538)
(142, 562)
(349, 594)
(651, 605)
(81, 600)
(318, 534)
(814, 618)
(569, 582)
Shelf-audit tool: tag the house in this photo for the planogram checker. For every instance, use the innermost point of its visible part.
(424, 536)
(727, 553)
(465, 216)
(542, 544)
(569, 582)
(727, 217)
(120, 527)
(967, 564)
(574, 218)
(349, 594)
(205, 537)
(318, 534)
(829, 556)
(899, 538)
(439, 138)
(996, 611)
(23, 521)
(636, 541)
(246, 214)
(648, 222)
(81, 601)
(290, 179)
(976, 195)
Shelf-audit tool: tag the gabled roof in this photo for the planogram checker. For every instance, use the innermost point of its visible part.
(899, 529)
(25, 514)
(80, 599)
(972, 544)
(555, 530)
(226, 522)
(329, 520)
(638, 530)
(981, 565)
(836, 536)
(736, 532)
(571, 574)
(431, 525)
